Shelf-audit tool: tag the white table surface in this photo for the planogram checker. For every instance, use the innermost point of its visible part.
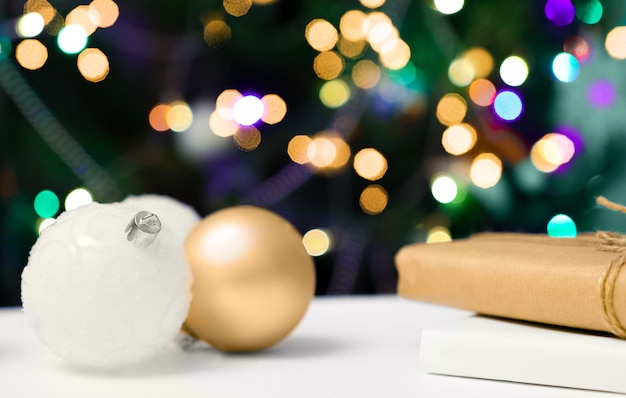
(345, 347)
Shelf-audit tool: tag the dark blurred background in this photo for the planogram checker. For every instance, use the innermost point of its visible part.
(549, 145)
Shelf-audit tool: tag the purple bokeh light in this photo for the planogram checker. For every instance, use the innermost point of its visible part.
(560, 12)
(601, 94)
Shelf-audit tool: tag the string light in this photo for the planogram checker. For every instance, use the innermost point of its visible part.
(351, 49)
(438, 234)
(179, 116)
(274, 109)
(458, 139)
(217, 33)
(41, 7)
(321, 35)
(298, 147)
(461, 72)
(247, 138)
(352, 24)
(449, 7)
(222, 125)
(107, 10)
(590, 12)
(248, 110)
(44, 223)
(443, 188)
(372, 3)
(93, 64)
(560, 12)
(486, 170)
(451, 109)
(482, 92)
(328, 65)
(615, 42)
(158, 117)
(480, 59)
(31, 54)
(86, 17)
(602, 94)
(365, 74)
(578, 47)
(46, 204)
(565, 67)
(237, 8)
(562, 226)
(508, 105)
(78, 197)
(72, 39)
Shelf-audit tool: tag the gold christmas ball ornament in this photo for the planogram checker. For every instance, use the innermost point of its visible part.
(253, 279)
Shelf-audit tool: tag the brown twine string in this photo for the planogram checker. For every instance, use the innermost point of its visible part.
(611, 242)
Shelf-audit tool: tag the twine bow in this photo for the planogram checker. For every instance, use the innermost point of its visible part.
(611, 242)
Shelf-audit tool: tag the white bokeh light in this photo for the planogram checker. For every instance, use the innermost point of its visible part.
(444, 189)
(77, 198)
(72, 39)
(248, 110)
(514, 71)
(30, 25)
(449, 7)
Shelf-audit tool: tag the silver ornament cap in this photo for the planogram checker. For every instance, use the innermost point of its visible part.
(143, 229)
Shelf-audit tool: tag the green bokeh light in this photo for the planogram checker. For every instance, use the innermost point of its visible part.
(46, 204)
(5, 48)
(590, 12)
(562, 226)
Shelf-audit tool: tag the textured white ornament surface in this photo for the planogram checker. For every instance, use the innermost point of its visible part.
(95, 298)
(179, 216)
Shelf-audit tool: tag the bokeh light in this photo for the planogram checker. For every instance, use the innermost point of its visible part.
(298, 147)
(458, 139)
(351, 25)
(247, 138)
(108, 12)
(552, 151)
(317, 242)
(486, 170)
(560, 12)
(602, 93)
(72, 39)
(395, 55)
(451, 109)
(508, 105)
(365, 74)
(351, 49)
(248, 110)
(93, 64)
(274, 108)
(30, 25)
(334, 93)
(482, 92)
(321, 152)
(46, 204)
(84, 16)
(565, 67)
(328, 65)
(237, 8)
(404, 76)
(221, 124)
(373, 199)
(370, 164)
(578, 47)
(562, 226)
(443, 188)
(438, 234)
(158, 117)
(225, 102)
(31, 54)
(321, 35)
(372, 3)
(461, 72)
(44, 223)
(481, 61)
(5, 48)
(217, 33)
(615, 42)
(78, 197)
(514, 71)
(342, 151)
(589, 11)
(378, 27)
(179, 116)
(448, 7)
(41, 7)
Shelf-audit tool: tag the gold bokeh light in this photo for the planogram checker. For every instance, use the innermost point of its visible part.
(179, 117)
(374, 199)
(351, 49)
(217, 33)
(31, 54)
(298, 147)
(370, 164)
(84, 16)
(321, 152)
(222, 125)
(451, 109)
(328, 65)
(395, 54)
(366, 74)
(486, 170)
(247, 138)
(42, 7)
(480, 59)
(615, 42)
(482, 92)
(351, 25)
(372, 3)
(237, 8)
(458, 139)
(334, 93)
(107, 10)
(93, 64)
(275, 109)
(317, 242)
(321, 35)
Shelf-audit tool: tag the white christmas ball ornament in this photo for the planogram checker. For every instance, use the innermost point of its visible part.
(106, 285)
(178, 216)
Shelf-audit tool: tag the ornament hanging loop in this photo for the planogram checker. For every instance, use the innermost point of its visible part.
(143, 229)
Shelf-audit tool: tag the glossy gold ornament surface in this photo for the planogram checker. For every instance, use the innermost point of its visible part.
(253, 279)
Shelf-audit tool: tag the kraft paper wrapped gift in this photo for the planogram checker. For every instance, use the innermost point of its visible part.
(575, 282)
